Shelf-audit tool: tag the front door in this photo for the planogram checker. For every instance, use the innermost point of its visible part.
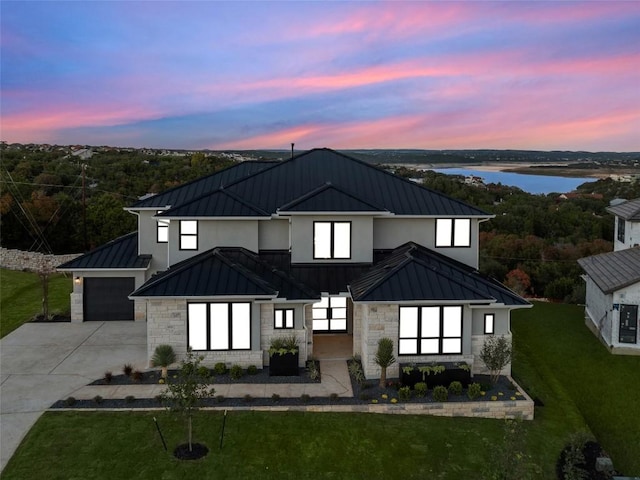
(628, 323)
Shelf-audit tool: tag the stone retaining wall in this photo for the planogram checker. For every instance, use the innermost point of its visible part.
(31, 261)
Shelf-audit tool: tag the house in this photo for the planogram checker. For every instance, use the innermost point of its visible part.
(318, 245)
(613, 283)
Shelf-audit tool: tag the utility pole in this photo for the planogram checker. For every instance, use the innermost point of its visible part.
(84, 209)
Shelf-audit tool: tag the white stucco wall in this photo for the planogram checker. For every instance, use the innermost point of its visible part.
(214, 233)
(148, 244)
(598, 310)
(631, 235)
(302, 238)
(273, 234)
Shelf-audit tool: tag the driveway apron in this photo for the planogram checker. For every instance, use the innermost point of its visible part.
(44, 362)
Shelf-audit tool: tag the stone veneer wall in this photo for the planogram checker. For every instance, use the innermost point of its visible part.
(31, 261)
(167, 324)
(477, 341)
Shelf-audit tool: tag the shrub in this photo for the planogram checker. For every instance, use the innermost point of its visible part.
(421, 389)
(305, 398)
(440, 394)
(384, 358)
(219, 368)
(127, 369)
(355, 370)
(473, 391)
(137, 375)
(252, 370)
(159, 398)
(455, 388)
(404, 394)
(98, 399)
(70, 401)
(283, 345)
(495, 354)
(248, 398)
(108, 376)
(571, 463)
(129, 399)
(364, 396)
(219, 398)
(204, 371)
(334, 397)
(236, 372)
(312, 370)
(163, 356)
(275, 397)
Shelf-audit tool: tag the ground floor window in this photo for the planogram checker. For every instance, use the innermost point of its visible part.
(330, 315)
(430, 330)
(283, 318)
(219, 326)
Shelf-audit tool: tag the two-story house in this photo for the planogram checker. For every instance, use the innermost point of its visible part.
(613, 283)
(321, 244)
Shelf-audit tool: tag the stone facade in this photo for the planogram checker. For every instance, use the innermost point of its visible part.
(31, 261)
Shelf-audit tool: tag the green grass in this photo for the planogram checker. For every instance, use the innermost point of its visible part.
(21, 297)
(558, 360)
(557, 351)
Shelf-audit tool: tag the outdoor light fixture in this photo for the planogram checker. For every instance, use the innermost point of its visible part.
(77, 280)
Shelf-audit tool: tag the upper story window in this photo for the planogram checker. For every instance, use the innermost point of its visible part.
(453, 232)
(162, 233)
(219, 326)
(430, 330)
(283, 318)
(621, 227)
(188, 234)
(331, 240)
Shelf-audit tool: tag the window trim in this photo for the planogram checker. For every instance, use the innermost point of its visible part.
(452, 239)
(162, 223)
(332, 239)
(189, 235)
(441, 336)
(284, 318)
(229, 326)
(492, 330)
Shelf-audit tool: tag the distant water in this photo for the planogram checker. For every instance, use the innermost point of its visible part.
(529, 183)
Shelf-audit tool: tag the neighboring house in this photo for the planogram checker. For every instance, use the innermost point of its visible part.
(613, 283)
(321, 244)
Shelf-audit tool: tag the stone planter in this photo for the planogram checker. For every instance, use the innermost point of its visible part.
(285, 365)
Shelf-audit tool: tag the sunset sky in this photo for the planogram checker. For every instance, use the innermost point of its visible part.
(260, 75)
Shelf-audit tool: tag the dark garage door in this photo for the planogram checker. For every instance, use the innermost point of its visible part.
(106, 299)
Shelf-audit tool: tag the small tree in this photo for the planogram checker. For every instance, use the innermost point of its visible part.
(496, 354)
(163, 356)
(185, 394)
(384, 358)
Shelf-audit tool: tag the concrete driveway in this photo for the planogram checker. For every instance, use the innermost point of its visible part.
(44, 362)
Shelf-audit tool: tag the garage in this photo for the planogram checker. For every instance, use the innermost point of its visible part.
(106, 298)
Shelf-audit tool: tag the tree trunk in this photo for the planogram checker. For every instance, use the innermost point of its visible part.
(383, 377)
(164, 372)
(189, 422)
(45, 295)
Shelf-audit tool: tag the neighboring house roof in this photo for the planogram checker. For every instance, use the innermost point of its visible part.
(613, 270)
(414, 272)
(121, 253)
(298, 183)
(196, 188)
(629, 210)
(228, 272)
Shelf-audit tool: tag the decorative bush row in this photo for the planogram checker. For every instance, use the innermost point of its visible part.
(435, 374)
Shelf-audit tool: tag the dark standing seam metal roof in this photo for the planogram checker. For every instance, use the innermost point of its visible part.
(119, 253)
(628, 210)
(329, 198)
(224, 203)
(413, 273)
(613, 270)
(232, 271)
(273, 187)
(196, 188)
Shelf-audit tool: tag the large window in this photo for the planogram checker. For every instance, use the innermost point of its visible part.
(331, 240)
(219, 326)
(430, 330)
(283, 318)
(621, 226)
(162, 230)
(188, 234)
(330, 315)
(453, 232)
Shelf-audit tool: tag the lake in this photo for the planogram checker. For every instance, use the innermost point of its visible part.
(529, 183)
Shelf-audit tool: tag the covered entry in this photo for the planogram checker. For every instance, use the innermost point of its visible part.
(107, 298)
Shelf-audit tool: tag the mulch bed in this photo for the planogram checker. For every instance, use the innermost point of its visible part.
(52, 319)
(197, 451)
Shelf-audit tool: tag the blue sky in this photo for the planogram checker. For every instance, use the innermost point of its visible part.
(248, 75)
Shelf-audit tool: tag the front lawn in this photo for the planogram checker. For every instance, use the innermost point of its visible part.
(21, 297)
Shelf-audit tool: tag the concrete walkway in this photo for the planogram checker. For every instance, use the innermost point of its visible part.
(44, 362)
(41, 363)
